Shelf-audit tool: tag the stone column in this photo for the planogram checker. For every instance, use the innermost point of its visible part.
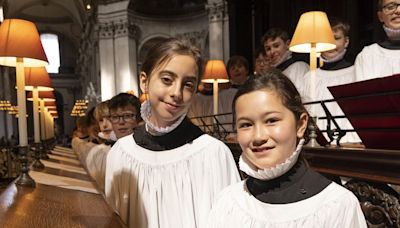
(107, 65)
(218, 29)
(125, 46)
(118, 49)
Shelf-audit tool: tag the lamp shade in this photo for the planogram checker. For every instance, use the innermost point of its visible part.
(313, 29)
(44, 95)
(20, 39)
(215, 70)
(37, 77)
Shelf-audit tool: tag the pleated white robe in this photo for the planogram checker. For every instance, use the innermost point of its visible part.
(334, 206)
(169, 189)
(375, 61)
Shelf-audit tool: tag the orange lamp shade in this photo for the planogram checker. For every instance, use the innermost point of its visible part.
(215, 70)
(313, 29)
(45, 95)
(37, 77)
(20, 39)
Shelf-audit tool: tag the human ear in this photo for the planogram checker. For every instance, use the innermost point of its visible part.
(302, 125)
(287, 44)
(380, 16)
(143, 82)
(347, 42)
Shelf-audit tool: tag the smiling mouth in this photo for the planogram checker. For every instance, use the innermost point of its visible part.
(172, 105)
(261, 149)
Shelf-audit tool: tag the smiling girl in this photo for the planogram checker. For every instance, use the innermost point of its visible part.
(168, 172)
(281, 190)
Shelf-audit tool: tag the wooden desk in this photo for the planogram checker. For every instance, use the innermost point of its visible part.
(52, 206)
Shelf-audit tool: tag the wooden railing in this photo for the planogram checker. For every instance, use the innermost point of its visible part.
(64, 196)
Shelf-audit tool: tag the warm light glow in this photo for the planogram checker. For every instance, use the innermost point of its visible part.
(313, 30)
(88, 7)
(215, 70)
(20, 39)
(37, 77)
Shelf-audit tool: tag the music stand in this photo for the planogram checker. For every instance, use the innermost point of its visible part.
(373, 108)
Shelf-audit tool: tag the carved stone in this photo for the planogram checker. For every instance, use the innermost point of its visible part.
(195, 38)
(216, 11)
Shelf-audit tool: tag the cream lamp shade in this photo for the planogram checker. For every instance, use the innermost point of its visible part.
(37, 77)
(43, 95)
(215, 70)
(215, 73)
(313, 28)
(20, 39)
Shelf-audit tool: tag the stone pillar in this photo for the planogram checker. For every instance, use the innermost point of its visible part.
(218, 29)
(126, 56)
(118, 49)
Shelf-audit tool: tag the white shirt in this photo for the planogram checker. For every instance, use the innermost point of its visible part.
(173, 188)
(334, 206)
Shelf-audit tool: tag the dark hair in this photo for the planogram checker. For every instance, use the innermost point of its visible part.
(337, 24)
(237, 60)
(274, 33)
(380, 5)
(167, 48)
(259, 51)
(124, 99)
(274, 80)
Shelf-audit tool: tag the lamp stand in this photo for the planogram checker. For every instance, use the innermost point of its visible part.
(37, 164)
(215, 97)
(215, 108)
(313, 126)
(24, 179)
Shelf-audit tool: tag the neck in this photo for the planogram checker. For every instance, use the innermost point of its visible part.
(152, 124)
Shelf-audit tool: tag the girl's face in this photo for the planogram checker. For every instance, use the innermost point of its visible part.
(341, 43)
(267, 131)
(170, 89)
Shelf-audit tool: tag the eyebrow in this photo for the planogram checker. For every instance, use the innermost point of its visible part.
(173, 74)
(264, 114)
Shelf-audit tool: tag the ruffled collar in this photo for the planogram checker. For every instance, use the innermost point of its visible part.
(392, 34)
(337, 58)
(145, 112)
(270, 173)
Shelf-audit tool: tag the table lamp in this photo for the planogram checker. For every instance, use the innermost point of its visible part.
(37, 79)
(313, 35)
(43, 96)
(20, 47)
(215, 73)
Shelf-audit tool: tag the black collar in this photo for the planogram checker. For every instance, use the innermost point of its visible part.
(297, 184)
(285, 64)
(390, 44)
(185, 133)
(340, 64)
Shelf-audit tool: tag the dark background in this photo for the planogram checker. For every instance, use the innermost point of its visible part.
(250, 19)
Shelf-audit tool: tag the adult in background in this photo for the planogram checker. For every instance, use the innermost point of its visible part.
(382, 59)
